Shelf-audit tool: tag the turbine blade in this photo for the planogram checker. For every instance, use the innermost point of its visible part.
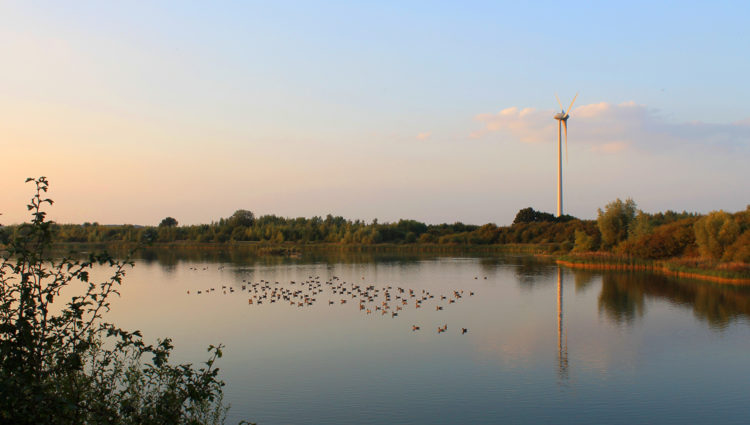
(571, 103)
(558, 102)
(565, 123)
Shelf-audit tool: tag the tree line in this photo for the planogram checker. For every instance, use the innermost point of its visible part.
(620, 228)
(244, 226)
(625, 230)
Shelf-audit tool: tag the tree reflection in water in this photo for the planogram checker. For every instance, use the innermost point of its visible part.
(530, 271)
(623, 295)
(621, 299)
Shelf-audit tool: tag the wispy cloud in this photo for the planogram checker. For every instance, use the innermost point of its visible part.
(611, 147)
(607, 128)
(424, 136)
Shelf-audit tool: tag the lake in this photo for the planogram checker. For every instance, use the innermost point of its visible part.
(543, 344)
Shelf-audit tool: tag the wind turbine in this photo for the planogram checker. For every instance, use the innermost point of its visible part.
(562, 121)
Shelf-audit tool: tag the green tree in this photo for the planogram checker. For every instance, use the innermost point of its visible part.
(239, 233)
(168, 222)
(640, 226)
(614, 222)
(529, 215)
(241, 218)
(715, 232)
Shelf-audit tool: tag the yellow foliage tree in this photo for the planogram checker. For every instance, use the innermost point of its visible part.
(715, 232)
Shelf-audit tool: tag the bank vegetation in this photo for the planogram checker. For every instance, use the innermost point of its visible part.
(716, 244)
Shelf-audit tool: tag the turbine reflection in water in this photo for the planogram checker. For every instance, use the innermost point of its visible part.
(562, 346)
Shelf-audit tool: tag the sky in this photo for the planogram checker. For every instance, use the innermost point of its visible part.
(434, 111)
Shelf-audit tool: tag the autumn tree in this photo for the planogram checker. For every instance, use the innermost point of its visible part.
(585, 242)
(715, 232)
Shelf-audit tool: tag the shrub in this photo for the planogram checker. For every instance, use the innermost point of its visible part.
(584, 242)
(61, 363)
(667, 241)
(739, 250)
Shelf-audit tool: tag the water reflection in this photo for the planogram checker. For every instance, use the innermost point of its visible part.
(562, 346)
(334, 363)
(531, 271)
(623, 296)
(234, 255)
(583, 279)
(621, 299)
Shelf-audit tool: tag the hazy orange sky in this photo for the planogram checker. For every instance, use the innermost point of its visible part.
(435, 112)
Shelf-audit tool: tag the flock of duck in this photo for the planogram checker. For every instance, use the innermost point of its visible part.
(370, 299)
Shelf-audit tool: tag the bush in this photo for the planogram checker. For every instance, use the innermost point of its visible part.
(739, 250)
(61, 363)
(585, 242)
(667, 241)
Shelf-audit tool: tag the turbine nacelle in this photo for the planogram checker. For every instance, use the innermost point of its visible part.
(562, 116)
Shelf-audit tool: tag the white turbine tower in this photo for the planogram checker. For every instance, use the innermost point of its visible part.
(562, 121)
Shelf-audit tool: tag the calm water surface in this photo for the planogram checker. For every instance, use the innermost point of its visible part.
(543, 344)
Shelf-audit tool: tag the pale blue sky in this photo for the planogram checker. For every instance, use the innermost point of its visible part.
(140, 110)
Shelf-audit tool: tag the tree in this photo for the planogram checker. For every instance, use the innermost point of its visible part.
(62, 363)
(241, 218)
(739, 250)
(614, 222)
(168, 222)
(714, 233)
(640, 226)
(529, 215)
(665, 241)
(584, 242)
(239, 233)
